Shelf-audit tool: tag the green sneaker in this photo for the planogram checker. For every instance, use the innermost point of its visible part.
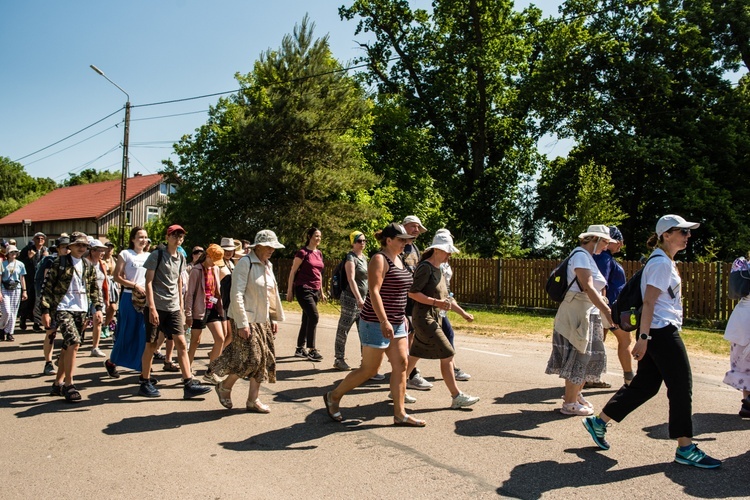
(696, 457)
(597, 428)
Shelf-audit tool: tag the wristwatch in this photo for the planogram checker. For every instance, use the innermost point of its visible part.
(644, 336)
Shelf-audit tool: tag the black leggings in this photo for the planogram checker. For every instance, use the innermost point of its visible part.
(308, 301)
(665, 360)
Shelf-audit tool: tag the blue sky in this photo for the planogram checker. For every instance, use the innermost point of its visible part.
(156, 51)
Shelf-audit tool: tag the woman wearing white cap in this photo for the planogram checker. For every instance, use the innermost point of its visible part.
(577, 349)
(13, 292)
(254, 309)
(430, 295)
(659, 350)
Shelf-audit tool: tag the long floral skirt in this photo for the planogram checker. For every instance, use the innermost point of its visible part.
(253, 357)
(575, 366)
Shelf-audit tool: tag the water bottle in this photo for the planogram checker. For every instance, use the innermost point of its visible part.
(443, 312)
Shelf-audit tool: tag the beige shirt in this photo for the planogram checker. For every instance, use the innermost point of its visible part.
(250, 293)
(572, 319)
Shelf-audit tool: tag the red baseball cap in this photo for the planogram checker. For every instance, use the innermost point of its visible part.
(174, 228)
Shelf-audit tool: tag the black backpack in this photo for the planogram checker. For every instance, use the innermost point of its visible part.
(557, 283)
(339, 283)
(626, 311)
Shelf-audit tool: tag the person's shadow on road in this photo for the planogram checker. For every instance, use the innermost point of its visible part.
(532, 480)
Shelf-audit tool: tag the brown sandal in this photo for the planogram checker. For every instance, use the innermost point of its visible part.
(225, 396)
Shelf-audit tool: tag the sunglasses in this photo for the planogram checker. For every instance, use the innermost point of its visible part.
(683, 230)
(360, 241)
(196, 252)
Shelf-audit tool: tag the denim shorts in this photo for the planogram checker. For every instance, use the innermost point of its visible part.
(370, 334)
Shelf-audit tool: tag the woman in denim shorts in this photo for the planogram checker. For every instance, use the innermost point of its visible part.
(381, 326)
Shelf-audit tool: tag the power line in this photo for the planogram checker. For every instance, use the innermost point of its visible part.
(72, 145)
(168, 116)
(68, 137)
(81, 167)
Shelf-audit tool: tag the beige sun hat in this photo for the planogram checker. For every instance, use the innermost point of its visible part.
(266, 238)
(598, 231)
(227, 244)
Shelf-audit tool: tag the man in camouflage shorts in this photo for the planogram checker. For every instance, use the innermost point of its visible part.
(70, 289)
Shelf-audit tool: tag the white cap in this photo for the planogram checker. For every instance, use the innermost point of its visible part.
(670, 220)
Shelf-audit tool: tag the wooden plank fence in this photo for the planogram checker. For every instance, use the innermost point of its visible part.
(520, 283)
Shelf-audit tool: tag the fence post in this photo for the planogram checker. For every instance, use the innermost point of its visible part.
(717, 313)
(499, 282)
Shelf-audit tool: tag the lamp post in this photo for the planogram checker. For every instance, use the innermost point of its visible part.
(124, 180)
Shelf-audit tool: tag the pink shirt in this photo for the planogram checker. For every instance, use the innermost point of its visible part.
(310, 272)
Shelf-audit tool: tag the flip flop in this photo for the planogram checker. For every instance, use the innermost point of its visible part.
(336, 417)
(408, 421)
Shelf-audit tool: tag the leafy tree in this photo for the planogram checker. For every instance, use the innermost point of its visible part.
(459, 71)
(19, 188)
(641, 86)
(593, 203)
(285, 153)
(91, 175)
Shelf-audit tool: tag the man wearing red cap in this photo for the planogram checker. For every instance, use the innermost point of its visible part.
(166, 313)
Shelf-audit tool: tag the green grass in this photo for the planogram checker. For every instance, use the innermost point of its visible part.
(517, 323)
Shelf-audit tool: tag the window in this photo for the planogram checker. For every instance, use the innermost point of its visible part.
(167, 189)
(128, 217)
(152, 213)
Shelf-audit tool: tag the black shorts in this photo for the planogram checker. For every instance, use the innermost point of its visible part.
(170, 323)
(212, 317)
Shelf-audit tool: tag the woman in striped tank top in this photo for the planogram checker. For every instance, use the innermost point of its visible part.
(381, 326)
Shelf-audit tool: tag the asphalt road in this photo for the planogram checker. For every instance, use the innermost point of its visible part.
(514, 442)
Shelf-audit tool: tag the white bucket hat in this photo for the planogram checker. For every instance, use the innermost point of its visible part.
(598, 231)
(266, 238)
(669, 221)
(443, 241)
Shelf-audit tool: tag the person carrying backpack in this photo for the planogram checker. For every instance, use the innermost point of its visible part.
(737, 333)
(615, 276)
(659, 350)
(578, 353)
(70, 290)
(164, 312)
(353, 293)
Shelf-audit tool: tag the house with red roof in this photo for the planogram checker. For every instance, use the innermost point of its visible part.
(91, 208)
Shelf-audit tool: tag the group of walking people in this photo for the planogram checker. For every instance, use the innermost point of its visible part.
(398, 299)
(578, 354)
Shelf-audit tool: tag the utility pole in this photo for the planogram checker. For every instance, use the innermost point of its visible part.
(124, 179)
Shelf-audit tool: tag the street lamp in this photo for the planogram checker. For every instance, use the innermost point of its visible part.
(124, 180)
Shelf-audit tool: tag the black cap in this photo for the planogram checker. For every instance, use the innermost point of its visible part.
(395, 230)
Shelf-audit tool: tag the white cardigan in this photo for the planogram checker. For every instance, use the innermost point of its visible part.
(249, 303)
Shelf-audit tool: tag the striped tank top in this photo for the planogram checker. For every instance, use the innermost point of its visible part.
(393, 293)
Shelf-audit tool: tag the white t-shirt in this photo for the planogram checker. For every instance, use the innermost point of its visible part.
(582, 259)
(76, 299)
(661, 272)
(134, 270)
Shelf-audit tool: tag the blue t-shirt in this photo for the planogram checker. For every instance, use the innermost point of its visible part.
(12, 271)
(612, 272)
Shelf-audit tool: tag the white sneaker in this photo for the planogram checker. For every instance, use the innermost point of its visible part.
(461, 375)
(462, 401)
(418, 383)
(576, 409)
(407, 398)
(98, 353)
